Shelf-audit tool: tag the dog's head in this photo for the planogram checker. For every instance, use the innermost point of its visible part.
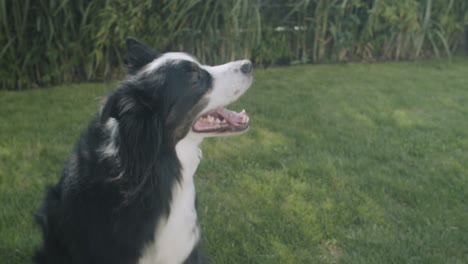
(178, 94)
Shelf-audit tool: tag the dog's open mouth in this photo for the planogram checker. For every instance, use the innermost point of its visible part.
(222, 120)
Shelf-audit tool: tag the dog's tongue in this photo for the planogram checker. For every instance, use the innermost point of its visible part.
(222, 120)
(233, 118)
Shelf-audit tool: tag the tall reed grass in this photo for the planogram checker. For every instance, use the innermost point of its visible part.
(46, 42)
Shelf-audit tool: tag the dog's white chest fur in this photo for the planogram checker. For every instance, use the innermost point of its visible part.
(176, 236)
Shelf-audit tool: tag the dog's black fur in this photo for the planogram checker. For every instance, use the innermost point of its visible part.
(105, 207)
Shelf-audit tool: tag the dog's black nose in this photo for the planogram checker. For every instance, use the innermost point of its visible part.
(246, 67)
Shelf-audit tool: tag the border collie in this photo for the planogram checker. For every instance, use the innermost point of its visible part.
(127, 194)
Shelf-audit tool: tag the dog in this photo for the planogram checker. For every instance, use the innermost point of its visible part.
(127, 194)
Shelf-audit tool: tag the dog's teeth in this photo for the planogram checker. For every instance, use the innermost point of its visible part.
(244, 119)
(224, 121)
(217, 121)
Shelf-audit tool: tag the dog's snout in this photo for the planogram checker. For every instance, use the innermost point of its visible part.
(246, 67)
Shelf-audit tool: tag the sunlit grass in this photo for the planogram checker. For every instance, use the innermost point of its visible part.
(359, 163)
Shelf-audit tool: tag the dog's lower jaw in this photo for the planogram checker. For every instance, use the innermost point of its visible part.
(178, 234)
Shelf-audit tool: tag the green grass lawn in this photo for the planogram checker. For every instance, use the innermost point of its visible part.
(358, 163)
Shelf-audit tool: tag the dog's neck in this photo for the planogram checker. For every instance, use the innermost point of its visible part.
(177, 235)
(189, 155)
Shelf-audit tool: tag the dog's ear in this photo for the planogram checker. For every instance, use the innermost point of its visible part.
(126, 100)
(139, 55)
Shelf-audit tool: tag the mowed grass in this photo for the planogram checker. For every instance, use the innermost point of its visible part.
(358, 163)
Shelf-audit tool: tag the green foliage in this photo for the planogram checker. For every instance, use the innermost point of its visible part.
(46, 42)
(273, 49)
(350, 163)
(216, 31)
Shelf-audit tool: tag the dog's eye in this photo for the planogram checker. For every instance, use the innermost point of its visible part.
(198, 76)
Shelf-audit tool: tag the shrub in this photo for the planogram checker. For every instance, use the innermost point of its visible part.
(45, 42)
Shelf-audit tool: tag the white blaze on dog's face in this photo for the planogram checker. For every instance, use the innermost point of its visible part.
(230, 81)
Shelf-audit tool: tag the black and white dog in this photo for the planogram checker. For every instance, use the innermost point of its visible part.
(127, 193)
